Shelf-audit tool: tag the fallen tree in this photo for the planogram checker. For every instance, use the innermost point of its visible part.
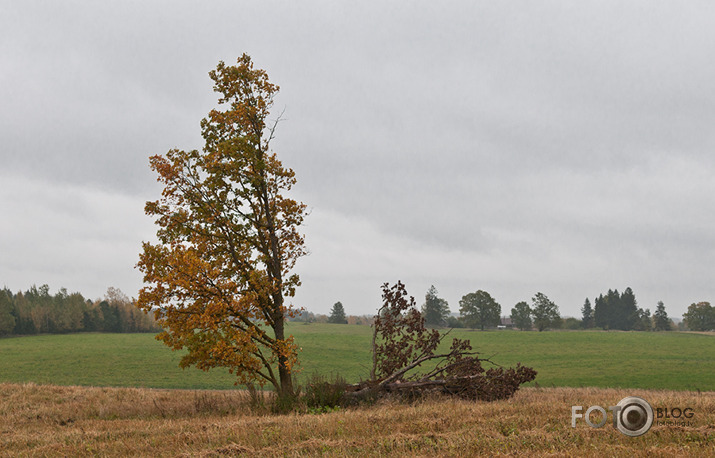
(405, 359)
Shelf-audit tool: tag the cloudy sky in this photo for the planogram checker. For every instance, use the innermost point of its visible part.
(514, 147)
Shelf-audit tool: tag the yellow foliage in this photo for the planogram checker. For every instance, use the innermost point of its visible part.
(228, 239)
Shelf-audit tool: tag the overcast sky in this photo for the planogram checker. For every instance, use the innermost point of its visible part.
(514, 147)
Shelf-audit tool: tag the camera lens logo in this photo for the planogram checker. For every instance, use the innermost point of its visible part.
(632, 416)
(635, 416)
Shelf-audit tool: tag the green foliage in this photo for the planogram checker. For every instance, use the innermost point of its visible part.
(545, 312)
(521, 316)
(700, 317)
(7, 320)
(323, 393)
(323, 409)
(454, 322)
(617, 311)
(435, 309)
(479, 309)
(36, 311)
(661, 321)
(337, 314)
(587, 315)
(643, 320)
(572, 323)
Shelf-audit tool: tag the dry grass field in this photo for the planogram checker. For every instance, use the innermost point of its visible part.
(46, 420)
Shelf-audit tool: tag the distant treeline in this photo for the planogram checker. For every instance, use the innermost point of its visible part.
(36, 311)
(611, 311)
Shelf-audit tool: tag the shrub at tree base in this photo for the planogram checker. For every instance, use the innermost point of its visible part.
(401, 344)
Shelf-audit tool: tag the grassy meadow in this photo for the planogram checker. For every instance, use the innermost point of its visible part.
(49, 420)
(128, 406)
(665, 360)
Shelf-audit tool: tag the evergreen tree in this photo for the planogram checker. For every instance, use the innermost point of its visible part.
(601, 310)
(616, 311)
(587, 315)
(337, 314)
(521, 316)
(628, 314)
(435, 309)
(545, 312)
(7, 319)
(643, 321)
(662, 322)
(110, 317)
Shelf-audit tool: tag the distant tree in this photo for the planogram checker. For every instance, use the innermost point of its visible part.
(435, 309)
(660, 318)
(616, 311)
(110, 317)
(521, 316)
(643, 321)
(479, 309)
(454, 322)
(572, 323)
(92, 317)
(23, 315)
(337, 314)
(545, 312)
(7, 319)
(587, 315)
(700, 317)
(628, 314)
(601, 311)
(303, 316)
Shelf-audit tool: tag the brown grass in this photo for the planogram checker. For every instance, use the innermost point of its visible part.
(40, 420)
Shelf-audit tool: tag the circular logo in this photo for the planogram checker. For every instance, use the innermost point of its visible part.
(635, 417)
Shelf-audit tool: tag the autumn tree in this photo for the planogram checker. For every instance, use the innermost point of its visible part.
(219, 278)
(479, 309)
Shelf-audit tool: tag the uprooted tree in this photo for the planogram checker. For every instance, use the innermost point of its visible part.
(228, 239)
(401, 345)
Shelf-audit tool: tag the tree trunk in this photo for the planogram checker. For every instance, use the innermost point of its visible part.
(284, 373)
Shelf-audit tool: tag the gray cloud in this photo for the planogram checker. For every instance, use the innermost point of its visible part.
(515, 148)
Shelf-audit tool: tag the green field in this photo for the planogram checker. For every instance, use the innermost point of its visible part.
(667, 360)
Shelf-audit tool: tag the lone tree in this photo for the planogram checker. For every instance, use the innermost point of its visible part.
(546, 313)
(435, 309)
(521, 316)
(337, 314)
(587, 315)
(218, 279)
(479, 309)
(700, 317)
(660, 318)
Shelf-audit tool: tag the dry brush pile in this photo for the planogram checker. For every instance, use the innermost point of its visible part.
(406, 359)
